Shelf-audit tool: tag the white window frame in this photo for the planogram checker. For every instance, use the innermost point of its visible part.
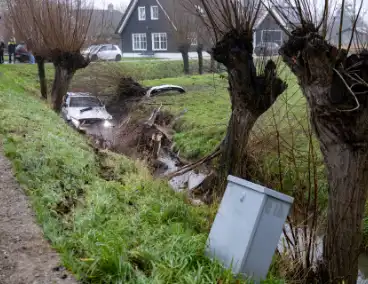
(153, 41)
(193, 37)
(152, 17)
(280, 31)
(140, 17)
(133, 46)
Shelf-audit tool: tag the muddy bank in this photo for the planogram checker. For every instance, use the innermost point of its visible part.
(146, 133)
(151, 139)
(317, 250)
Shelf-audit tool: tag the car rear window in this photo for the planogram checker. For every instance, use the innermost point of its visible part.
(85, 102)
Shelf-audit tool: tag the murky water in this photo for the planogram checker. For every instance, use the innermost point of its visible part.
(192, 179)
(318, 249)
(187, 181)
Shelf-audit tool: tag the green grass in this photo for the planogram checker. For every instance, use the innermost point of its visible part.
(207, 106)
(145, 69)
(110, 221)
(139, 58)
(207, 111)
(203, 126)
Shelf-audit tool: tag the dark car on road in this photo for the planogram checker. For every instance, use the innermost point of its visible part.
(267, 49)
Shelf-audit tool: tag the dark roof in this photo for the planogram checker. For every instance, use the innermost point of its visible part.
(132, 6)
(285, 15)
(105, 21)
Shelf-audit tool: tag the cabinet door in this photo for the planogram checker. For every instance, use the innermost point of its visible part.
(234, 225)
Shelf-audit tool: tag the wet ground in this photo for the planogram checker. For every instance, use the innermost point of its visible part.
(318, 249)
(192, 179)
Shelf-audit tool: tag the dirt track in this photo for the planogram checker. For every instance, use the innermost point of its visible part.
(25, 257)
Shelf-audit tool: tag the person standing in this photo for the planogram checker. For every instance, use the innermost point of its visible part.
(11, 50)
(2, 49)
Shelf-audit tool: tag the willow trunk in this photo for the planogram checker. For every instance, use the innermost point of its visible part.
(62, 79)
(42, 76)
(200, 61)
(185, 56)
(234, 147)
(347, 173)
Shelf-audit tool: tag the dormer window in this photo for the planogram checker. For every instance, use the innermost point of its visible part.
(141, 13)
(154, 12)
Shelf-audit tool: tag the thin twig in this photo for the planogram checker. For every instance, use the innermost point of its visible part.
(351, 92)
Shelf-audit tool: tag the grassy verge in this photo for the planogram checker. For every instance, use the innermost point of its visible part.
(111, 222)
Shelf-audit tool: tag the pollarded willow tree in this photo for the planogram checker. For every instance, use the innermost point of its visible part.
(231, 24)
(20, 20)
(187, 31)
(334, 80)
(57, 30)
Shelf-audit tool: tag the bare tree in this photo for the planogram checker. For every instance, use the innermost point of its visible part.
(122, 7)
(56, 30)
(186, 28)
(102, 26)
(21, 23)
(231, 24)
(334, 81)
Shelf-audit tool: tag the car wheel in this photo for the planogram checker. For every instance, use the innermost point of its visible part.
(69, 122)
(94, 58)
(118, 57)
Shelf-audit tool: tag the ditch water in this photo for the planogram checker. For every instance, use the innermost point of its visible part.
(192, 179)
(318, 249)
(187, 181)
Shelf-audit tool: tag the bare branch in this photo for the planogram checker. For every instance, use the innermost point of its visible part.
(350, 91)
(341, 22)
(354, 25)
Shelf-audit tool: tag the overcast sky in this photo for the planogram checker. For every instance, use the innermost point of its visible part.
(117, 3)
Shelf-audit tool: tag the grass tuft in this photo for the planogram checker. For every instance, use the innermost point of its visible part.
(108, 218)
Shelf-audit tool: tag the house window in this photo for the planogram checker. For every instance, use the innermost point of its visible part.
(159, 41)
(139, 41)
(141, 13)
(154, 12)
(193, 37)
(272, 36)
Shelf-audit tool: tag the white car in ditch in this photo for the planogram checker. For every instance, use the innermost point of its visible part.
(162, 89)
(84, 112)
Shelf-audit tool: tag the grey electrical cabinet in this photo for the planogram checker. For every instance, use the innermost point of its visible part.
(247, 227)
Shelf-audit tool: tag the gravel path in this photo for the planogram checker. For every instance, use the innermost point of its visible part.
(25, 256)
